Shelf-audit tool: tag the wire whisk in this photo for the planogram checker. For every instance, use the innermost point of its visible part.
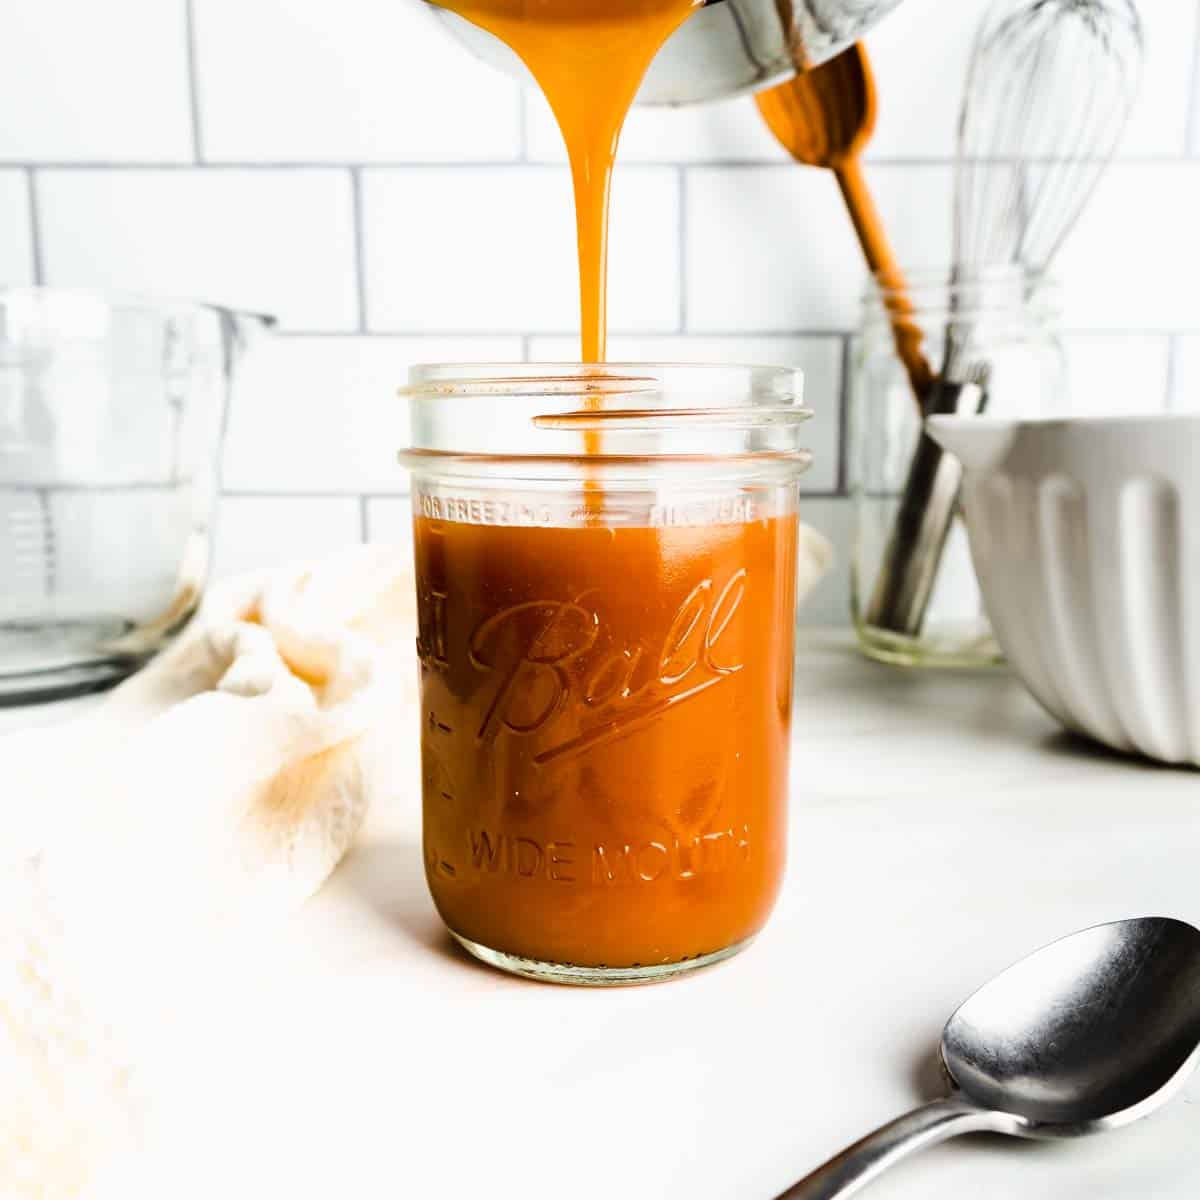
(1049, 92)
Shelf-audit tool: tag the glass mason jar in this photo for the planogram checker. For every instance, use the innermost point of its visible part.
(112, 415)
(914, 597)
(605, 562)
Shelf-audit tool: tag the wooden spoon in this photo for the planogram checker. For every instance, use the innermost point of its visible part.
(824, 117)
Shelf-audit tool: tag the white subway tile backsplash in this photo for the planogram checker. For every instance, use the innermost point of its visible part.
(768, 249)
(357, 81)
(277, 242)
(257, 532)
(493, 250)
(1117, 374)
(726, 131)
(1132, 263)
(469, 254)
(94, 82)
(772, 248)
(321, 414)
(1158, 123)
(16, 236)
(921, 52)
(820, 358)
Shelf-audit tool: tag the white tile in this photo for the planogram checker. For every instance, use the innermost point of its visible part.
(921, 53)
(493, 250)
(95, 82)
(1158, 124)
(724, 131)
(771, 249)
(829, 602)
(820, 358)
(273, 241)
(256, 532)
(1132, 262)
(320, 414)
(1112, 374)
(1185, 392)
(389, 521)
(16, 239)
(356, 81)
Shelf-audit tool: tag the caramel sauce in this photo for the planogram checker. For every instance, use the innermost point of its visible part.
(588, 57)
(605, 735)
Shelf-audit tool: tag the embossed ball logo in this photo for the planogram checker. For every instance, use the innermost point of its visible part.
(551, 672)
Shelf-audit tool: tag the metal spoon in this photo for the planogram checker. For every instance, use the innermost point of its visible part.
(1085, 1035)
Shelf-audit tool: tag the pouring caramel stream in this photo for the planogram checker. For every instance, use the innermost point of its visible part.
(588, 57)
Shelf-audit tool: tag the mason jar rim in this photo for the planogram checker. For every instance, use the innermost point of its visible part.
(610, 378)
(612, 414)
(959, 294)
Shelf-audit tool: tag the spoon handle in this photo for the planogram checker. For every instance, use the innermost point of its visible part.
(861, 1163)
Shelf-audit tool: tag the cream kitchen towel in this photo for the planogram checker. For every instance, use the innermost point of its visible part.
(217, 788)
(211, 792)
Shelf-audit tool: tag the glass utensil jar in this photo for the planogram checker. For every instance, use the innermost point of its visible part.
(1001, 329)
(112, 411)
(605, 564)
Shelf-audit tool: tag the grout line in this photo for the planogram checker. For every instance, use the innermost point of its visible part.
(683, 233)
(35, 228)
(193, 74)
(360, 255)
(363, 525)
(753, 164)
(843, 466)
(1192, 124)
(526, 347)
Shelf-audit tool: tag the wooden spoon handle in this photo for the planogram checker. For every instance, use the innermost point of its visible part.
(878, 251)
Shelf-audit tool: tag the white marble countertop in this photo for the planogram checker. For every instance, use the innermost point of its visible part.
(942, 828)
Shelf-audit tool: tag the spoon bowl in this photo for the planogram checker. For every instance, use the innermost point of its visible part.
(1084, 1035)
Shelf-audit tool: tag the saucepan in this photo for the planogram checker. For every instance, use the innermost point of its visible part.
(728, 47)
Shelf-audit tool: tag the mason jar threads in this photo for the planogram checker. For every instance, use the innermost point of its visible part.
(605, 566)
